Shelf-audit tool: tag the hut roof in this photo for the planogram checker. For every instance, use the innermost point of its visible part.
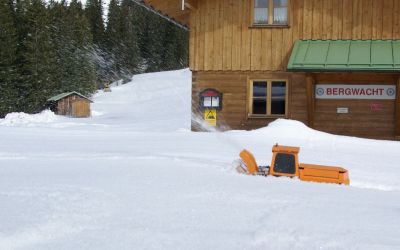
(63, 95)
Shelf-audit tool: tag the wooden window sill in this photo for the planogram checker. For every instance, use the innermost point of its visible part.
(265, 116)
(260, 26)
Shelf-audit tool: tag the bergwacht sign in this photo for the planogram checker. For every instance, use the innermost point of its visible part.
(347, 91)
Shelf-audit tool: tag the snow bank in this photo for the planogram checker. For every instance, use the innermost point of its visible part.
(23, 119)
(289, 128)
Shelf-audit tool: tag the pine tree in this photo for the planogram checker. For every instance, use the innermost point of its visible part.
(21, 25)
(151, 42)
(57, 13)
(39, 66)
(163, 45)
(84, 75)
(113, 40)
(169, 58)
(8, 54)
(72, 40)
(94, 14)
(175, 54)
(129, 44)
(182, 48)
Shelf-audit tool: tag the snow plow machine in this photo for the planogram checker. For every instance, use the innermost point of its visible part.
(285, 162)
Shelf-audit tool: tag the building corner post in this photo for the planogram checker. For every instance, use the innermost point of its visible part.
(397, 108)
(310, 85)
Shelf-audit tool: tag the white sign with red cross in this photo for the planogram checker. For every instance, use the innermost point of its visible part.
(347, 91)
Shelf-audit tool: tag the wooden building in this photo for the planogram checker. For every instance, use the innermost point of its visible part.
(332, 64)
(70, 104)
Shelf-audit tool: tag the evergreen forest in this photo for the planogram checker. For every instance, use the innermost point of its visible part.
(51, 47)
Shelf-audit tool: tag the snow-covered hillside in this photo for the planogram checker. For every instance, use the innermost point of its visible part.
(135, 177)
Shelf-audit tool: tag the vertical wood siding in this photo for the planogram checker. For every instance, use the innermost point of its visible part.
(361, 120)
(73, 106)
(222, 39)
(233, 85)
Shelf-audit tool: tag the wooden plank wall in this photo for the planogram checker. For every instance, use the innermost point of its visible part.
(81, 108)
(362, 120)
(233, 85)
(221, 39)
(67, 107)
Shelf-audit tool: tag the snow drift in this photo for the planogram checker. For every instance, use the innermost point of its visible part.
(21, 119)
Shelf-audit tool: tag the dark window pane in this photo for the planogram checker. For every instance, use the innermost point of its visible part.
(261, 3)
(260, 98)
(278, 98)
(285, 164)
(280, 12)
(261, 11)
(280, 3)
(259, 106)
(260, 89)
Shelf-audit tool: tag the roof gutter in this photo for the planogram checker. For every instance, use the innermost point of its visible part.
(169, 19)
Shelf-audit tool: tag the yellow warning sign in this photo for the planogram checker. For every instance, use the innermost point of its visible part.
(210, 116)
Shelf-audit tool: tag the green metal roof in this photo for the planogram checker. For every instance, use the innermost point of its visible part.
(63, 95)
(345, 55)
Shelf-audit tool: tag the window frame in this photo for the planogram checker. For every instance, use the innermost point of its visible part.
(269, 98)
(270, 17)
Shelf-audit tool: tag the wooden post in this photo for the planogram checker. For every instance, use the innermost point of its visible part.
(397, 107)
(310, 100)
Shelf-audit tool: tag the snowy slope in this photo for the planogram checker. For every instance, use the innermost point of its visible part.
(134, 177)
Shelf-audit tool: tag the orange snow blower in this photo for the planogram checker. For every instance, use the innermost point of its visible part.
(285, 162)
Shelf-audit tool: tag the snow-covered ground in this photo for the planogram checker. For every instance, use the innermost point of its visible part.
(135, 177)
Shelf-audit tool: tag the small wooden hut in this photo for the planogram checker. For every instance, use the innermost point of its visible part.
(72, 104)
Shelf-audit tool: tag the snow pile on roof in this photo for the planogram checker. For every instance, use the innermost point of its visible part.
(23, 119)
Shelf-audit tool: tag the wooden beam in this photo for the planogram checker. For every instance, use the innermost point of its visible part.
(397, 104)
(169, 9)
(310, 83)
(190, 4)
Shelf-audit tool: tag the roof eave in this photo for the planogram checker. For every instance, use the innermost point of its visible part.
(66, 94)
(170, 14)
(345, 56)
(310, 70)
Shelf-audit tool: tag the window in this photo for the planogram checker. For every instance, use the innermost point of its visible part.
(211, 102)
(261, 11)
(268, 98)
(270, 12)
(285, 164)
